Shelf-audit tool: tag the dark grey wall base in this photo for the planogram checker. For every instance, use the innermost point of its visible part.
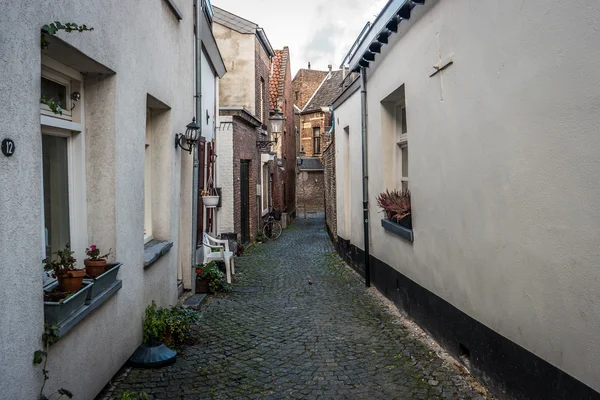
(75, 319)
(507, 369)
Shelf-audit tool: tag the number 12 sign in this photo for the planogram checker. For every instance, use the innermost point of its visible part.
(8, 147)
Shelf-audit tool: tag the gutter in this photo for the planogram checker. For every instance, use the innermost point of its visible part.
(365, 170)
(199, 18)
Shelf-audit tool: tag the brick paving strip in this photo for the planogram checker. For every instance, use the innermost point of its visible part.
(277, 336)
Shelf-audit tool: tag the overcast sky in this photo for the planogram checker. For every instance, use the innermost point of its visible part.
(319, 31)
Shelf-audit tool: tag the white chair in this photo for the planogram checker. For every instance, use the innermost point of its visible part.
(210, 243)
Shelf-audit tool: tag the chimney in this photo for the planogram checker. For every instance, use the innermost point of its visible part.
(329, 66)
(345, 73)
(309, 65)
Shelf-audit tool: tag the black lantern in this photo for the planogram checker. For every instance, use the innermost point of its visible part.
(276, 122)
(192, 134)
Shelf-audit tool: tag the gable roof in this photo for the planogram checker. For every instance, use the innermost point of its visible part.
(279, 66)
(242, 25)
(330, 89)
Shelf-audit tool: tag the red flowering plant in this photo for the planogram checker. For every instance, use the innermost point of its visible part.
(60, 266)
(396, 205)
(93, 253)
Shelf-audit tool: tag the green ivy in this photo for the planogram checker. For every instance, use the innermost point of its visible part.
(51, 29)
(49, 337)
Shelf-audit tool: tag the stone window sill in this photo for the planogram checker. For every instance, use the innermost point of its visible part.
(154, 250)
(397, 229)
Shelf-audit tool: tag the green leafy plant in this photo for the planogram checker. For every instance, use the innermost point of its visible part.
(135, 396)
(61, 265)
(179, 321)
(215, 277)
(53, 28)
(260, 237)
(49, 337)
(155, 323)
(52, 105)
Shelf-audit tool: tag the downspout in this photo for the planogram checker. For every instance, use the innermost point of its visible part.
(365, 170)
(198, 4)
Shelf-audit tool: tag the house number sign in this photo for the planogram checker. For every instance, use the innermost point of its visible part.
(8, 147)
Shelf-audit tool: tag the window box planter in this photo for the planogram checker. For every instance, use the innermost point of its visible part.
(102, 282)
(57, 312)
(210, 201)
(398, 228)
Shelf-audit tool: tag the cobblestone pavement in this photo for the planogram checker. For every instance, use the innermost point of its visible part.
(277, 336)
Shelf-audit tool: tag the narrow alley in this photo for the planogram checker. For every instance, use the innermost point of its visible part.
(276, 335)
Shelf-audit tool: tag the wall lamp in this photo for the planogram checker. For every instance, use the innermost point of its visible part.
(190, 138)
(276, 128)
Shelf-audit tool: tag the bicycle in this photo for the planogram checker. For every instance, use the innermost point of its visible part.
(272, 229)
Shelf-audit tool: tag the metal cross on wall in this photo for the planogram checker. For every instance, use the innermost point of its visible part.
(441, 65)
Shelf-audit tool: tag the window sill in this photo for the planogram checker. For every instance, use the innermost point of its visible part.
(397, 229)
(90, 304)
(154, 250)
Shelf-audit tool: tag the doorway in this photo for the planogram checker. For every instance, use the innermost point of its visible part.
(245, 200)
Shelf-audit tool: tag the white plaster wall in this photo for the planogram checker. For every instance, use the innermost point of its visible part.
(504, 172)
(151, 52)
(349, 170)
(238, 52)
(225, 171)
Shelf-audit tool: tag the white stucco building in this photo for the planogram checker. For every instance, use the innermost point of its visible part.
(105, 172)
(487, 112)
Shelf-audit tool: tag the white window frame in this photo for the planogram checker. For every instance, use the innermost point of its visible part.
(61, 79)
(148, 179)
(54, 125)
(401, 129)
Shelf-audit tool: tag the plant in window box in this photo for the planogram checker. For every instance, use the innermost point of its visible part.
(63, 269)
(209, 198)
(95, 264)
(396, 206)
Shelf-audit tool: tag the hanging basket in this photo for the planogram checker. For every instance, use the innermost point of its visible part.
(210, 201)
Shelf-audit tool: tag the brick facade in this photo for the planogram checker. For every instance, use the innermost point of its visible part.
(284, 172)
(262, 65)
(310, 121)
(329, 182)
(311, 192)
(305, 83)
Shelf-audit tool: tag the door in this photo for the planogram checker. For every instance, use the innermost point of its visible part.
(245, 199)
(201, 180)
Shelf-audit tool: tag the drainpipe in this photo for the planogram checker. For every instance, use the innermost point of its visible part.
(365, 170)
(198, 4)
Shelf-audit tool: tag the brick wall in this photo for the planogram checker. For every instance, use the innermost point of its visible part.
(308, 122)
(328, 160)
(244, 148)
(262, 71)
(305, 83)
(311, 192)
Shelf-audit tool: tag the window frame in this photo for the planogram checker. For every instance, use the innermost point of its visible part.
(61, 79)
(316, 129)
(148, 179)
(401, 129)
(264, 188)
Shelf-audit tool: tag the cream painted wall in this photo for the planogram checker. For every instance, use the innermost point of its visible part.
(225, 170)
(151, 53)
(504, 168)
(238, 51)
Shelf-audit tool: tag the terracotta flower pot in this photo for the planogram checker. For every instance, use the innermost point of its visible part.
(95, 268)
(71, 281)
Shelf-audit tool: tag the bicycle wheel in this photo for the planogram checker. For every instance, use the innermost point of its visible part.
(275, 230)
(267, 230)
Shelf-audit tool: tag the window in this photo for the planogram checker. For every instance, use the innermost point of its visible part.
(402, 143)
(296, 94)
(64, 206)
(148, 180)
(317, 140)
(262, 100)
(57, 87)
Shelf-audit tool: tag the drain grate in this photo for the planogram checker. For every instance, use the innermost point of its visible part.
(246, 289)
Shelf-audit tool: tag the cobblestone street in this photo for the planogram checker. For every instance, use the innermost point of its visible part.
(277, 336)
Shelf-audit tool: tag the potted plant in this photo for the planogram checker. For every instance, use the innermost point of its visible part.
(64, 297)
(95, 264)
(210, 279)
(209, 198)
(153, 353)
(63, 269)
(396, 206)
